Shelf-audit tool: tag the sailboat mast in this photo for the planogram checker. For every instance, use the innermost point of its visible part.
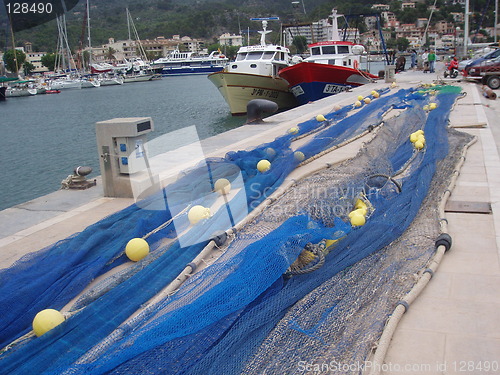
(88, 30)
(14, 45)
(128, 24)
(142, 52)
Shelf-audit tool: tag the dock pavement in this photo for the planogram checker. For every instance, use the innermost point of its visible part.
(452, 328)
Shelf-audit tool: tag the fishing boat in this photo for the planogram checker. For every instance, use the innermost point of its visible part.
(254, 75)
(183, 63)
(332, 67)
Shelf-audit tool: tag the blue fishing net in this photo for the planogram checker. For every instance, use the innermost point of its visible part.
(217, 320)
(76, 261)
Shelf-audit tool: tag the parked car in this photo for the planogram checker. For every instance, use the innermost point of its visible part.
(463, 65)
(486, 71)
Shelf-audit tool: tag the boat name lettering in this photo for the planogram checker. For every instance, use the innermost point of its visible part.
(265, 93)
(297, 90)
(26, 8)
(334, 89)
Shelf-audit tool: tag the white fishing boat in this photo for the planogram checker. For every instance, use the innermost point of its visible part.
(254, 75)
(186, 63)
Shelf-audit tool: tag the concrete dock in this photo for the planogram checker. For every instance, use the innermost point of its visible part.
(454, 325)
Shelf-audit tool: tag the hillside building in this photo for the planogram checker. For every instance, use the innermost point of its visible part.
(230, 40)
(35, 58)
(118, 51)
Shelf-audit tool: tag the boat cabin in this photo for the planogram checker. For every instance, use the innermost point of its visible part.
(341, 53)
(261, 60)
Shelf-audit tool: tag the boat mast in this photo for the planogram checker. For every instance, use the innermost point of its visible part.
(428, 24)
(263, 33)
(142, 52)
(128, 24)
(65, 51)
(14, 45)
(264, 28)
(88, 30)
(334, 30)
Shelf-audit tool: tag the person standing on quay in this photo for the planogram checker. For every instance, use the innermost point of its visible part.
(425, 61)
(432, 61)
(413, 59)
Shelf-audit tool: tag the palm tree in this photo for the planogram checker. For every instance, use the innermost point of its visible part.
(110, 54)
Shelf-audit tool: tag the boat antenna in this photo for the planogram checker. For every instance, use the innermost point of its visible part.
(264, 31)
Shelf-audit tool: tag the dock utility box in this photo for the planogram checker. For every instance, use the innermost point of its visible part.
(122, 148)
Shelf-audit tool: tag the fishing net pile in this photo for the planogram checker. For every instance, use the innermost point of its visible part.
(298, 284)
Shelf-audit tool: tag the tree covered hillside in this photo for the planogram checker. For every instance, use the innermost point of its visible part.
(208, 19)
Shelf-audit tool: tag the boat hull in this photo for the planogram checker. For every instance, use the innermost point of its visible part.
(17, 93)
(187, 70)
(90, 84)
(139, 78)
(311, 81)
(239, 88)
(66, 85)
(111, 81)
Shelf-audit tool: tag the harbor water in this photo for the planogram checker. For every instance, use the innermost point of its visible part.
(44, 137)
